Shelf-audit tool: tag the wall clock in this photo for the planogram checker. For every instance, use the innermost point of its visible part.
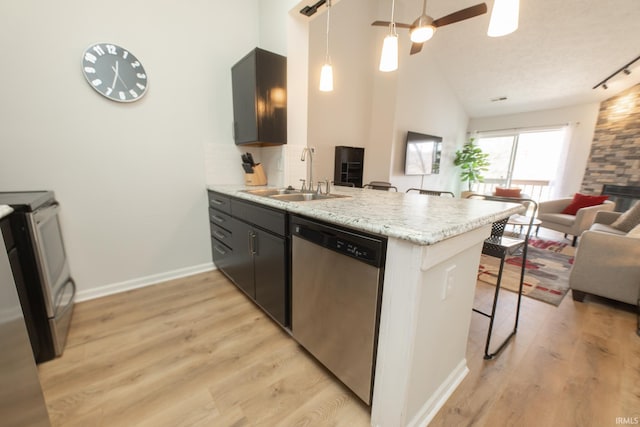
(114, 72)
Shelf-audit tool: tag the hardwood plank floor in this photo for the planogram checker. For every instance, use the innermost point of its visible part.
(197, 352)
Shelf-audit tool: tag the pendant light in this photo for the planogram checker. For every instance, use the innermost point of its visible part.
(504, 18)
(389, 57)
(326, 74)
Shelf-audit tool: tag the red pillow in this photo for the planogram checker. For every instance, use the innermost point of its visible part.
(583, 201)
(507, 192)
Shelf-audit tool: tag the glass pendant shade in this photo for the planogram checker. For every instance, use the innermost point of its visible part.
(326, 78)
(389, 57)
(504, 18)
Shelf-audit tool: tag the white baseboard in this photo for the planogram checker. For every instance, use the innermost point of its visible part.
(441, 395)
(141, 282)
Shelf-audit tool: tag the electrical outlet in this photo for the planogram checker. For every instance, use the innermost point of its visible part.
(448, 282)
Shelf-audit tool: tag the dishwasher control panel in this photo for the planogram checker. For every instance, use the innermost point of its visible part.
(366, 248)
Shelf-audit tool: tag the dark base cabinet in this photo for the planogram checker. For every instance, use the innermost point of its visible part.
(250, 247)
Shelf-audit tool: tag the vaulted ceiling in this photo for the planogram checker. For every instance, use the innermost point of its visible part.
(561, 50)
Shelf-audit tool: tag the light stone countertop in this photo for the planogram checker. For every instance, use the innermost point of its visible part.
(420, 219)
(5, 210)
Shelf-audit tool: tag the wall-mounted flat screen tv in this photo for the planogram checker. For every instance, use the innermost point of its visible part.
(423, 154)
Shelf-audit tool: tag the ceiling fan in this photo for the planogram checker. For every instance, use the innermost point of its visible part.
(425, 26)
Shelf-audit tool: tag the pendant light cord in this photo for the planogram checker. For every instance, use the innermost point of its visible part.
(327, 58)
(392, 25)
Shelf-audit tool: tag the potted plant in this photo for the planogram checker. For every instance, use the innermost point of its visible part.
(473, 161)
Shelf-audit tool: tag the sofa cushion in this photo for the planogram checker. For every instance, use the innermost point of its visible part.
(507, 192)
(606, 229)
(635, 232)
(583, 201)
(629, 219)
(557, 218)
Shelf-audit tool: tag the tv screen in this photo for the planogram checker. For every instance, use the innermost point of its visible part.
(423, 154)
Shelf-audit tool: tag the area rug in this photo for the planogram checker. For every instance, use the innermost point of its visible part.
(546, 275)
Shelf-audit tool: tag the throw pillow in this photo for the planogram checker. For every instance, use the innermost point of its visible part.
(635, 232)
(507, 192)
(629, 219)
(583, 201)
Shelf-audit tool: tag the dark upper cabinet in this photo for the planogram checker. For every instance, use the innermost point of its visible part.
(259, 85)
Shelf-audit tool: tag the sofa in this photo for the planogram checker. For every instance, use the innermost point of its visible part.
(607, 262)
(551, 216)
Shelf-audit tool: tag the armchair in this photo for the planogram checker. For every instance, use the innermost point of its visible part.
(606, 263)
(551, 216)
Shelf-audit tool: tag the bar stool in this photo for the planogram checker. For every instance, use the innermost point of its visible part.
(381, 185)
(432, 192)
(499, 246)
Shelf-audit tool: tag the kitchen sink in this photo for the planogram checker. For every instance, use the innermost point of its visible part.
(303, 197)
(267, 192)
(291, 195)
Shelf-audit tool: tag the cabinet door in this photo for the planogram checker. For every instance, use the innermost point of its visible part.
(270, 274)
(240, 265)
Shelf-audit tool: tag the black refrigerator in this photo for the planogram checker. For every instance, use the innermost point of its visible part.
(21, 399)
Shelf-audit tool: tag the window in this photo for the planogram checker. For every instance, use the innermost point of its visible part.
(523, 158)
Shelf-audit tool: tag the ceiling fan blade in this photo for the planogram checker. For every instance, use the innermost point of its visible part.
(415, 48)
(461, 15)
(387, 23)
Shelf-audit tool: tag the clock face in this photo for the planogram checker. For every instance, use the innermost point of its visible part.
(114, 72)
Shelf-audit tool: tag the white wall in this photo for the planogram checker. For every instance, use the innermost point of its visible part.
(581, 120)
(372, 109)
(427, 104)
(130, 177)
(341, 117)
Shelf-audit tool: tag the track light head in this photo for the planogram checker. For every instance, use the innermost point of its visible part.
(605, 87)
(627, 71)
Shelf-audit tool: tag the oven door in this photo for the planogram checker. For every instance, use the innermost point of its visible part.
(51, 257)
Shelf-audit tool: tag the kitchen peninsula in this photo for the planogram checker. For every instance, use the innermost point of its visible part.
(432, 254)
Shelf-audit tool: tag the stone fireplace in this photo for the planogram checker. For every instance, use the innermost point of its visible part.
(614, 163)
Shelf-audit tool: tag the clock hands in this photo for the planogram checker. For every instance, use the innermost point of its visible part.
(117, 76)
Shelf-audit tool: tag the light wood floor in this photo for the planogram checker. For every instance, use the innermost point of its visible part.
(197, 352)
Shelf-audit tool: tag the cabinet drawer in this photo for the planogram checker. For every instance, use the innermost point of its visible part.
(222, 254)
(221, 219)
(269, 219)
(224, 236)
(219, 202)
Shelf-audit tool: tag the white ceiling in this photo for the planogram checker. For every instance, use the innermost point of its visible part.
(561, 50)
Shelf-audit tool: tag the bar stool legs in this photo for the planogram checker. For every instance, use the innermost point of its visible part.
(492, 316)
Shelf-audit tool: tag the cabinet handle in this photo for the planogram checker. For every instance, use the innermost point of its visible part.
(252, 243)
(217, 218)
(221, 251)
(255, 244)
(218, 234)
(216, 202)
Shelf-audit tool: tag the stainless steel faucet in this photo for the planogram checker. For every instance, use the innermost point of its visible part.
(303, 157)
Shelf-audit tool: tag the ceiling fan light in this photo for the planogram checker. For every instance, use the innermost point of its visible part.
(389, 57)
(422, 34)
(504, 18)
(326, 78)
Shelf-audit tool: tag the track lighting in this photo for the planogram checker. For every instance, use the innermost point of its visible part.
(624, 69)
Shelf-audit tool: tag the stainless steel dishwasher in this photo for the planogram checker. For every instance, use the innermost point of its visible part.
(336, 288)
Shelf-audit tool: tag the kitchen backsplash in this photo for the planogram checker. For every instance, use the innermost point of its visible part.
(281, 163)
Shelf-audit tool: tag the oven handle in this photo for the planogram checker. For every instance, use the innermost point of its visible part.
(59, 295)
